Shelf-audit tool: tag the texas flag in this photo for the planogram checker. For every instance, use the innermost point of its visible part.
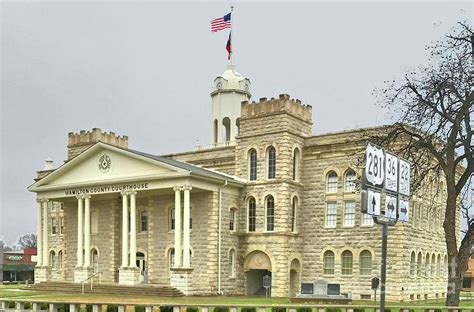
(228, 46)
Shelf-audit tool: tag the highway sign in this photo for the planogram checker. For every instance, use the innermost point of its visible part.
(391, 172)
(373, 202)
(374, 168)
(404, 178)
(403, 209)
(391, 206)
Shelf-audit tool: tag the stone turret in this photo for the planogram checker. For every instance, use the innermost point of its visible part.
(79, 142)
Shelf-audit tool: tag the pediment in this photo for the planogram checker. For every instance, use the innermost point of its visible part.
(103, 163)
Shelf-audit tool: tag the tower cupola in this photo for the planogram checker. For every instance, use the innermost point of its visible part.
(229, 90)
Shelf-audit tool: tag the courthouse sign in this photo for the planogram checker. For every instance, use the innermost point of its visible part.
(107, 188)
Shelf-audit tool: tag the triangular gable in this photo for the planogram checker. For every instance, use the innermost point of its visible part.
(102, 163)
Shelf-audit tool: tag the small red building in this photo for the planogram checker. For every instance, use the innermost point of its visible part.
(18, 265)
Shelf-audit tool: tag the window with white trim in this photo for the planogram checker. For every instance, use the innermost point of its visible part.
(331, 214)
(252, 214)
(270, 213)
(144, 221)
(366, 219)
(349, 181)
(171, 218)
(349, 213)
(332, 182)
(365, 264)
(271, 156)
(252, 165)
(328, 262)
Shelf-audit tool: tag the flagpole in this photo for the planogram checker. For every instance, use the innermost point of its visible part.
(231, 30)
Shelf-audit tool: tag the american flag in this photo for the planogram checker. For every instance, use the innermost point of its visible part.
(221, 23)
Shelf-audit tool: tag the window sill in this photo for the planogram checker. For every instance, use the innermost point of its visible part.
(347, 275)
(330, 226)
(367, 225)
(348, 226)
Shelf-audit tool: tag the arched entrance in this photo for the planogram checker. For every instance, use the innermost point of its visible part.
(257, 265)
(141, 264)
(295, 273)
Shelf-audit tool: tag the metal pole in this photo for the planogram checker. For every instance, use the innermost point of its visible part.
(383, 274)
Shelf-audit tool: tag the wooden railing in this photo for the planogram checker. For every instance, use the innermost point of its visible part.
(52, 306)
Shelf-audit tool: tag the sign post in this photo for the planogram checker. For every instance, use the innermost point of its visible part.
(386, 178)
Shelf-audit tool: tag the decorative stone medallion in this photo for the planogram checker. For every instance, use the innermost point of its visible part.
(104, 163)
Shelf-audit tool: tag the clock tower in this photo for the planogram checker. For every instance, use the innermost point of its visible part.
(228, 92)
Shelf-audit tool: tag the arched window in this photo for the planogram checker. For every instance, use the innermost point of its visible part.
(95, 260)
(270, 213)
(171, 218)
(60, 260)
(445, 266)
(171, 259)
(232, 263)
(433, 265)
(252, 216)
(413, 264)
(349, 180)
(332, 182)
(271, 160)
(216, 130)
(232, 218)
(346, 263)
(296, 163)
(226, 129)
(328, 260)
(294, 205)
(438, 269)
(419, 265)
(52, 259)
(252, 165)
(365, 263)
(143, 221)
(427, 265)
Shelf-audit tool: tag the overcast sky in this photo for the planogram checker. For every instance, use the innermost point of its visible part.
(145, 69)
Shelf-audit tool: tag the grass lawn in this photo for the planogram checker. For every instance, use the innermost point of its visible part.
(14, 292)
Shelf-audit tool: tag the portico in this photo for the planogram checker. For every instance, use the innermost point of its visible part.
(118, 200)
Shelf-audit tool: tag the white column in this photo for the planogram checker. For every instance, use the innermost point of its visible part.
(133, 229)
(186, 234)
(80, 247)
(177, 227)
(39, 231)
(87, 230)
(124, 229)
(45, 233)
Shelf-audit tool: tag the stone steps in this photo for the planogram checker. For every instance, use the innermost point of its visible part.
(106, 289)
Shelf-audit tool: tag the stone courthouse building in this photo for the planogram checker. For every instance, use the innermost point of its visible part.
(266, 198)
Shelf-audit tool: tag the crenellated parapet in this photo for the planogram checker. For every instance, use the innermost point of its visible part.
(282, 104)
(78, 142)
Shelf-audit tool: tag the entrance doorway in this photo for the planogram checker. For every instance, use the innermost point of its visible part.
(257, 265)
(141, 264)
(255, 282)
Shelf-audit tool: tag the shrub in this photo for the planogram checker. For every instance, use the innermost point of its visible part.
(333, 310)
(305, 310)
(11, 305)
(278, 309)
(27, 305)
(63, 307)
(112, 308)
(221, 309)
(248, 309)
(139, 308)
(44, 306)
(192, 309)
(166, 309)
(89, 308)
(358, 310)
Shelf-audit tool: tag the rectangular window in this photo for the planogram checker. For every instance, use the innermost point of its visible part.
(61, 225)
(143, 221)
(253, 165)
(331, 214)
(367, 219)
(54, 225)
(271, 163)
(172, 221)
(232, 220)
(349, 213)
(252, 215)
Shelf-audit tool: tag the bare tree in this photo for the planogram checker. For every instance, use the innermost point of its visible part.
(433, 107)
(26, 241)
